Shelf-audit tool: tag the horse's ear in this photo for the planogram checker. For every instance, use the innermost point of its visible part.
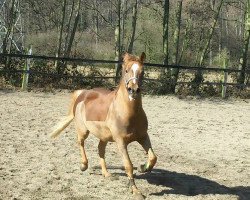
(143, 57)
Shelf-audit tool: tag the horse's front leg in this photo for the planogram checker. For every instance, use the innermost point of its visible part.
(146, 144)
(128, 167)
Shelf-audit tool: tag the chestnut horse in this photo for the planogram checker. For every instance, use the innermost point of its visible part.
(113, 116)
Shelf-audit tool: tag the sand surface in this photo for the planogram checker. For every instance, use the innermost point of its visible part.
(203, 149)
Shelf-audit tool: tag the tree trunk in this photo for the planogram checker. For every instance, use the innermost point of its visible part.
(9, 28)
(186, 39)
(72, 36)
(211, 33)
(111, 18)
(68, 27)
(243, 64)
(118, 42)
(134, 20)
(165, 31)
(198, 75)
(175, 71)
(96, 22)
(122, 21)
(241, 17)
(8, 37)
(212, 4)
(61, 29)
(165, 72)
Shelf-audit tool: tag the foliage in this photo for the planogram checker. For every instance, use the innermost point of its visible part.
(95, 34)
(221, 57)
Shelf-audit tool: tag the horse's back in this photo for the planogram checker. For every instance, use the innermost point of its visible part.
(96, 103)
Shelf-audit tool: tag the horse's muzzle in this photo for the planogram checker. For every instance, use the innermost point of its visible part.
(133, 91)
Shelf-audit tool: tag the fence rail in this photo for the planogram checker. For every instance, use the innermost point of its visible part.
(226, 70)
(54, 58)
(109, 77)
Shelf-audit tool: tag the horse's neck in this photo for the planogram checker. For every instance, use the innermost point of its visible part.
(125, 105)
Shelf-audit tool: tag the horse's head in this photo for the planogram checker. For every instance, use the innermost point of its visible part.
(133, 74)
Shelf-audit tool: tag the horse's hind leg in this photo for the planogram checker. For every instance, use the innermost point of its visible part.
(82, 135)
(146, 144)
(101, 150)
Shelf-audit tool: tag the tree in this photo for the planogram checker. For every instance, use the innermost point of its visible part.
(211, 32)
(198, 75)
(7, 41)
(243, 63)
(165, 31)
(96, 21)
(61, 29)
(186, 39)
(134, 20)
(69, 26)
(10, 26)
(72, 36)
(118, 41)
(175, 57)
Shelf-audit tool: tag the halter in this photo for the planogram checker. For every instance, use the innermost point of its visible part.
(127, 81)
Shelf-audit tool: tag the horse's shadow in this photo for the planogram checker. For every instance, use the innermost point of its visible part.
(190, 185)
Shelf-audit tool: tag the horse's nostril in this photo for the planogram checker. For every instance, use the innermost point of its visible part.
(130, 90)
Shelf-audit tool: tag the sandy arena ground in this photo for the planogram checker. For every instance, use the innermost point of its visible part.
(203, 149)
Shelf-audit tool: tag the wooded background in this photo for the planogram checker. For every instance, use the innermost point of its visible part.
(180, 32)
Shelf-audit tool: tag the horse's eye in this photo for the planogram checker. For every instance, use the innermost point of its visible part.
(126, 71)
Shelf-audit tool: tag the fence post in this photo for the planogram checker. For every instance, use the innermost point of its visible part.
(26, 73)
(56, 61)
(224, 81)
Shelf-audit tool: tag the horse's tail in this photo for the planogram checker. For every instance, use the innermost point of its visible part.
(65, 121)
(61, 125)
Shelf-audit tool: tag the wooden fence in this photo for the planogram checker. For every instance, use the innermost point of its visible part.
(26, 71)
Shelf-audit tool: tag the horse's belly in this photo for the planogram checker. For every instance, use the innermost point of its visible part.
(100, 130)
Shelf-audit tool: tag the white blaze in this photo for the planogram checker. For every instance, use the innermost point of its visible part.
(130, 98)
(135, 68)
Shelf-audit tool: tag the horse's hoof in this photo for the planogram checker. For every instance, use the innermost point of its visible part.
(112, 178)
(106, 175)
(83, 167)
(143, 168)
